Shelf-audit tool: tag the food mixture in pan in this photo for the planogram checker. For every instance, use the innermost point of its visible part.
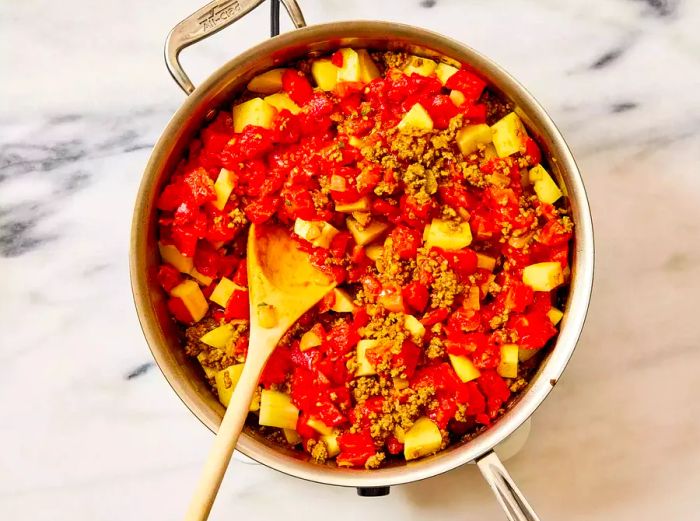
(418, 189)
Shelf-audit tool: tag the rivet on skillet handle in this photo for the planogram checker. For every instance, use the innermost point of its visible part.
(512, 501)
(208, 20)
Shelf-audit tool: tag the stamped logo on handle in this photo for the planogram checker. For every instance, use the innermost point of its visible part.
(219, 14)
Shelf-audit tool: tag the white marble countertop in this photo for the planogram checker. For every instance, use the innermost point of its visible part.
(91, 431)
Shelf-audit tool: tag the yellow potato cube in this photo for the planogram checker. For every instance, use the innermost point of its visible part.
(400, 383)
(509, 135)
(223, 291)
(318, 233)
(374, 251)
(416, 119)
(350, 71)
(343, 302)
(253, 112)
(525, 354)
(543, 276)
(355, 141)
(546, 189)
(485, 262)
(292, 437)
(226, 381)
(414, 326)
(419, 65)
(555, 315)
(508, 366)
(448, 235)
(209, 372)
(368, 69)
(364, 367)
(471, 136)
(457, 97)
(444, 72)
(325, 74)
(319, 426)
(172, 256)
(331, 442)
(218, 337)
(268, 82)
(277, 410)
(204, 280)
(193, 298)
(422, 439)
(281, 101)
(361, 205)
(367, 234)
(223, 186)
(464, 368)
(309, 340)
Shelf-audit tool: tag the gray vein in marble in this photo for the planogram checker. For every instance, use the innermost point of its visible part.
(661, 8)
(139, 370)
(624, 106)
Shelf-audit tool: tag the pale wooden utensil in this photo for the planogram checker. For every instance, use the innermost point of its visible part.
(283, 285)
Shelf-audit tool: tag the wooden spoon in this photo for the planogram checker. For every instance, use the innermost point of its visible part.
(283, 285)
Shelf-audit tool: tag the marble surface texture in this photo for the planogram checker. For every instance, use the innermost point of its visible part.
(89, 428)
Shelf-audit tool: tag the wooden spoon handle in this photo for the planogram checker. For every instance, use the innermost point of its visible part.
(224, 443)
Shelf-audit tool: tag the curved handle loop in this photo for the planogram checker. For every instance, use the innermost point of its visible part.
(512, 501)
(208, 20)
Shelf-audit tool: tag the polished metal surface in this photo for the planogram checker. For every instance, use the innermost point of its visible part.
(216, 92)
(512, 501)
(206, 21)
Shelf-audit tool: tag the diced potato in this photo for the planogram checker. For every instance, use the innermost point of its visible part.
(223, 186)
(457, 97)
(319, 426)
(325, 74)
(400, 433)
(448, 235)
(367, 234)
(253, 112)
(368, 69)
(361, 205)
(193, 298)
(172, 256)
(331, 442)
(374, 251)
(416, 119)
(277, 410)
(508, 367)
(490, 152)
(219, 336)
(509, 135)
(400, 383)
(555, 315)
(485, 262)
(471, 136)
(318, 233)
(267, 315)
(543, 276)
(309, 340)
(281, 101)
(525, 354)
(210, 372)
(546, 189)
(203, 279)
(292, 437)
(472, 300)
(343, 302)
(226, 381)
(422, 439)
(364, 367)
(350, 71)
(268, 82)
(419, 65)
(444, 72)
(464, 368)
(355, 141)
(414, 326)
(223, 291)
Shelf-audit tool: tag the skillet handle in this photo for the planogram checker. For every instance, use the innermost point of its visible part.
(512, 501)
(208, 20)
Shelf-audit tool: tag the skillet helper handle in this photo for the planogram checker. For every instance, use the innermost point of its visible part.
(208, 20)
(512, 501)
